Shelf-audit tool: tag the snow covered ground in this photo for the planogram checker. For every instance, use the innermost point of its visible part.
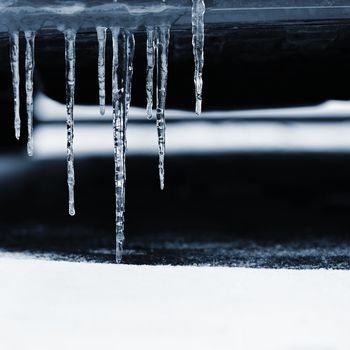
(68, 305)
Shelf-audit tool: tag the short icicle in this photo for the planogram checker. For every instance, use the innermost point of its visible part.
(130, 51)
(127, 54)
(162, 46)
(198, 10)
(70, 35)
(29, 69)
(101, 37)
(150, 52)
(14, 61)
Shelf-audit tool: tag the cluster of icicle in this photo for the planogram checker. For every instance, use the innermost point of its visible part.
(122, 70)
(29, 69)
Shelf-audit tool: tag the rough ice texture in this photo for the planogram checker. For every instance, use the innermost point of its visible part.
(14, 61)
(162, 45)
(122, 69)
(46, 14)
(101, 36)
(151, 56)
(198, 10)
(70, 35)
(29, 69)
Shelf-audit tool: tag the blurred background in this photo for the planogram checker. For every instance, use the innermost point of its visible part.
(261, 179)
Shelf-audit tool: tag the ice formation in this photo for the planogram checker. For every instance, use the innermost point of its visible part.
(198, 10)
(162, 44)
(14, 59)
(101, 36)
(29, 69)
(69, 35)
(123, 42)
(122, 68)
(151, 56)
(157, 55)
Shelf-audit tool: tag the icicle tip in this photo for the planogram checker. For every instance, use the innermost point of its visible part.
(30, 149)
(198, 108)
(119, 252)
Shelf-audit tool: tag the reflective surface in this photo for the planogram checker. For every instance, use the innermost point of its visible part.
(258, 210)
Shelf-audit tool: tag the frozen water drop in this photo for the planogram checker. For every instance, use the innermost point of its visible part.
(101, 36)
(198, 10)
(29, 69)
(70, 35)
(14, 61)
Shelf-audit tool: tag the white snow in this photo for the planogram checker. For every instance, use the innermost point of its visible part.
(66, 305)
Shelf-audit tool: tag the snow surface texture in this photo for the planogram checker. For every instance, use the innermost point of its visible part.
(122, 70)
(63, 305)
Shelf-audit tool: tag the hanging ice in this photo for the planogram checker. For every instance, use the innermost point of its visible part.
(121, 95)
(122, 71)
(101, 36)
(130, 51)
(118, 137)
(14, 60)
(70, 35)
(29, 69)
(162, 44)
(150, 51)
(198, 10)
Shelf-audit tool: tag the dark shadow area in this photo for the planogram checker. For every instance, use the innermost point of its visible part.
(284, 210)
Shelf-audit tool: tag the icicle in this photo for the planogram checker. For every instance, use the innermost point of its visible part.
(115, 64)
(130, 50)
(70, 35)
(14, 59)
(101, 36)
(118, 136)
(162, 78)
(198, 10)
(150, 69)
(29, 69)
(121, 97)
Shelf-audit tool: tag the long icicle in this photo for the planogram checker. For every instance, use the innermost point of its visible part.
(121, 97)
(14, 61)
(150, 52)
(101, 36)
(70, 35)
(198, 10)
(29, 69)
(162, 79)
(118, 137)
